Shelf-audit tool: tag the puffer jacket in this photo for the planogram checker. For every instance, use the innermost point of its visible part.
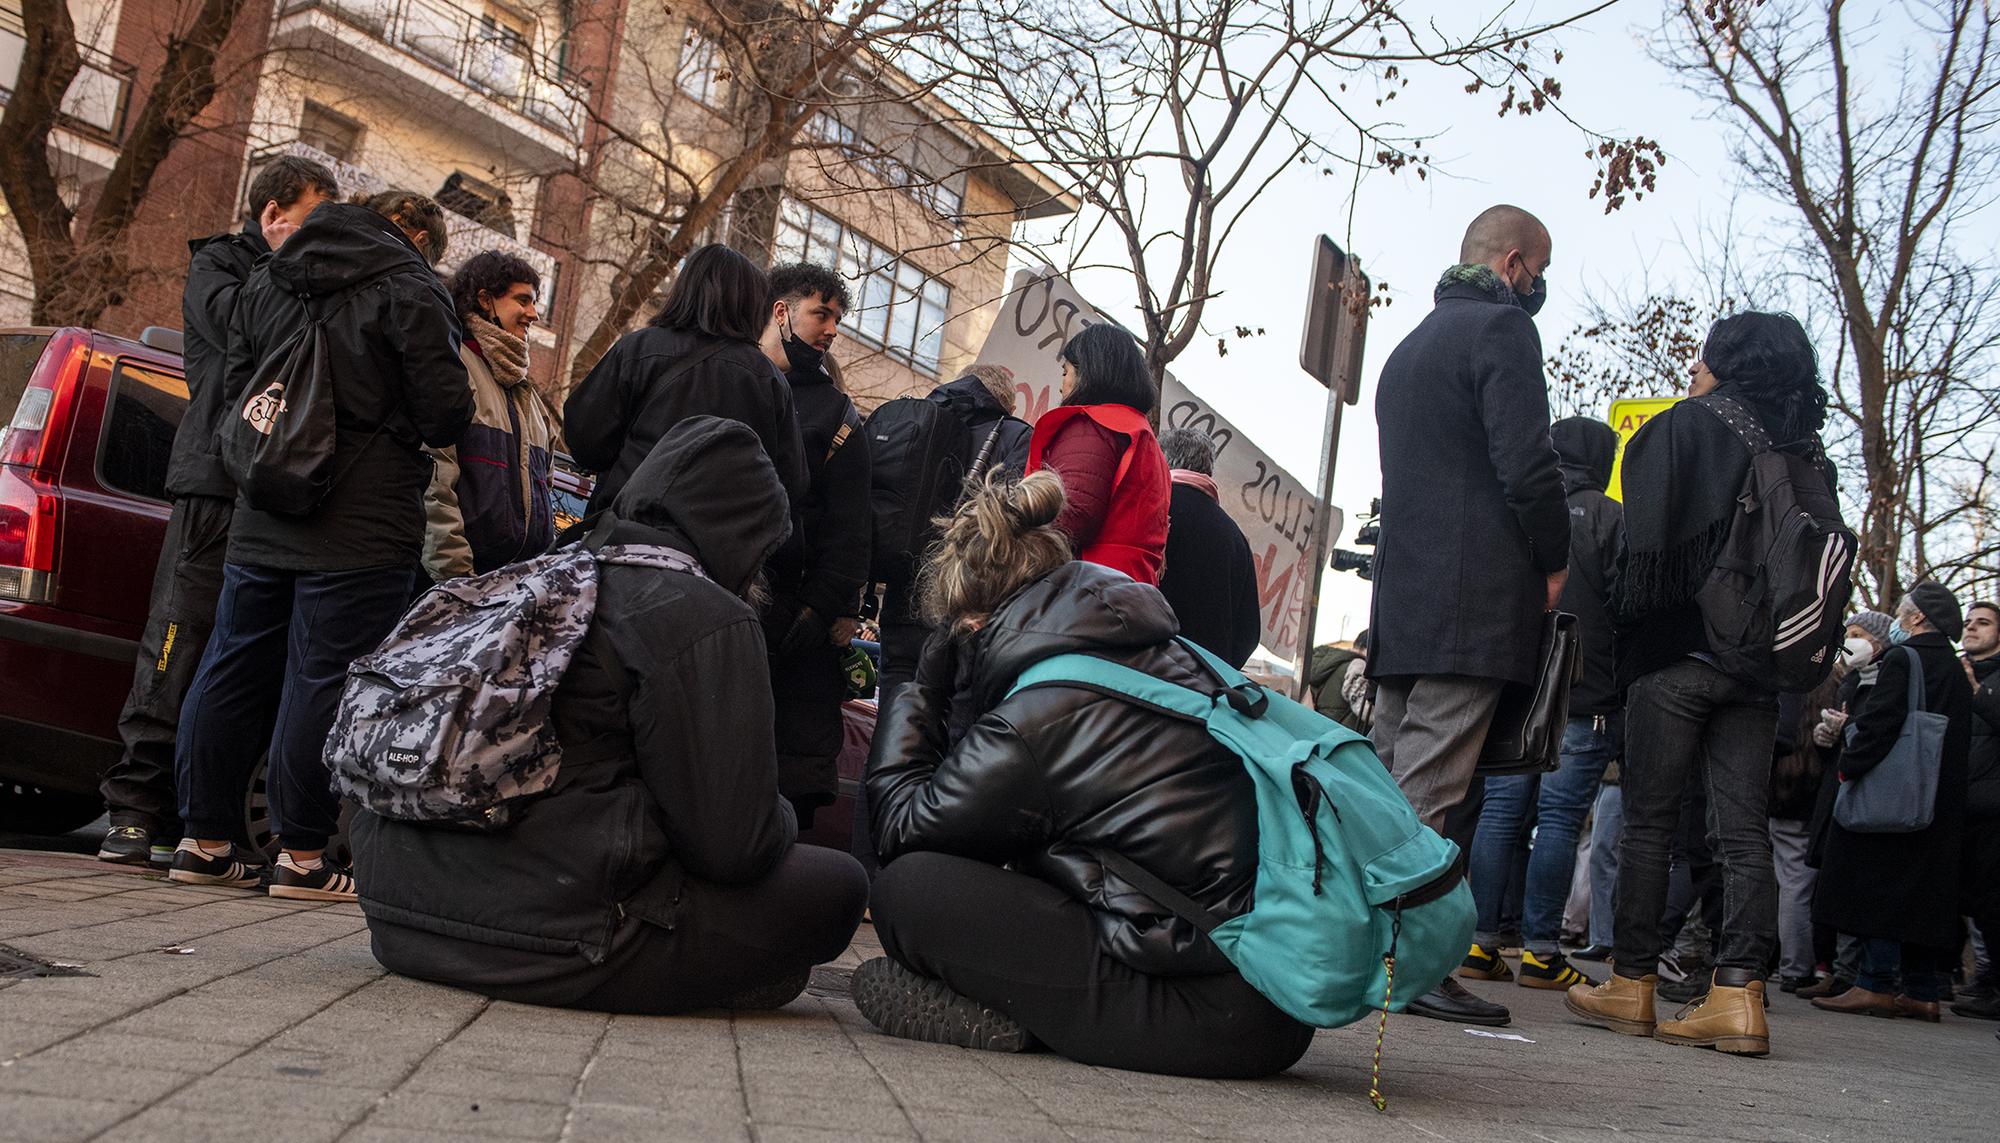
(488, 502)
(668, 772)
(392, 339)
(1050, 777)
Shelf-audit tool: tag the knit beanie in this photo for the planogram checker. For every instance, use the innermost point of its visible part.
(1873, 622)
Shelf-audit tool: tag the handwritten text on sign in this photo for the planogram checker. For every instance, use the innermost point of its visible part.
(1275, 510)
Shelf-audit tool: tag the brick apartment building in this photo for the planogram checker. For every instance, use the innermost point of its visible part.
(509, 115)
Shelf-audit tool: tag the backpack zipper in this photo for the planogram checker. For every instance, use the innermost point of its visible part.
(1310, 794)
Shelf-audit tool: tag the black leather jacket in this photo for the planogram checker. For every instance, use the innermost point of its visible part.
(1048, 778)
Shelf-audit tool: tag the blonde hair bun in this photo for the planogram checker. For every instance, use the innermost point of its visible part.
(1038, 498)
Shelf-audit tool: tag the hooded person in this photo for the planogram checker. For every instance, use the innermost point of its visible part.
(305, 594)
(659, 873)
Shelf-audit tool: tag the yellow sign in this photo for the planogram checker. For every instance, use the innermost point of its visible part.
(1626, 416)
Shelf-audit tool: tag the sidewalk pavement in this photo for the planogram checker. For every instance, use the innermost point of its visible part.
(216, 1015)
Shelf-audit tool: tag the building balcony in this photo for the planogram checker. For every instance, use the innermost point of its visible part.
(94, 107)
(454, 66)
(464, 236)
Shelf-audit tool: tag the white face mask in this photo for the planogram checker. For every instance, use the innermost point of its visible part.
(1857, 652)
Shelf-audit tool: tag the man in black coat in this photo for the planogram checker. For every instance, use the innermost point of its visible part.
(139, 787)
(1981, 879)
(1210, 577)
(1475, 530)
(817, 576)
(658, 874)
(305, 595)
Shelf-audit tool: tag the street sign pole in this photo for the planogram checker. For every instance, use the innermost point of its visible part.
(1336, 325)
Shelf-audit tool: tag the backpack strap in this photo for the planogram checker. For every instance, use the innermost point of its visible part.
(850, 423)
(1116, 680)
(1180, 904)
(1740, 420)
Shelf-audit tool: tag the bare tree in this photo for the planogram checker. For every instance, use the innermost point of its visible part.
(1881, 179)
(80, 257)
(1173, 120)
(1629, 348)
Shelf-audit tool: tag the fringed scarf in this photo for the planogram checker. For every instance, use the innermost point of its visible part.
(1681, 477)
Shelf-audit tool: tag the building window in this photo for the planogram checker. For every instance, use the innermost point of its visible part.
(700, 75)
(326, 130)
(896, 306)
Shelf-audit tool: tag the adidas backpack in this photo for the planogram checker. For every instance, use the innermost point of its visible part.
(920, 454)
(1358, 904)
(1775, 605)
(448, 720)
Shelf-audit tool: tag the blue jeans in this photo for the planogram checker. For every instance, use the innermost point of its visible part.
(1500, 850)
(1606, 826)
(270, 678)
(1924, 972)
(1589, 745)
(1690, 722)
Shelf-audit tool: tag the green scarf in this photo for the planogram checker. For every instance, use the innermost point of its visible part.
(1480, 277)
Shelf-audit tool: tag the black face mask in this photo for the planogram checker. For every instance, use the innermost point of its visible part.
(1531, 302)
(801, 354)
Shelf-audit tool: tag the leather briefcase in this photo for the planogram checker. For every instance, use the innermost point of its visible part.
(1527, 731)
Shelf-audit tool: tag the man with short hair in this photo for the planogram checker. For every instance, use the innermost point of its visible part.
(1475, 531)
(817, 576)
(139, 787)
(1981, 878)
(1211, 577)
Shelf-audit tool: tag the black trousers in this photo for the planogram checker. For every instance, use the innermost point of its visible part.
(807, 688)
(139, 787)
(271, 678)
(729, 940)
(903, 636)
(1024, 947)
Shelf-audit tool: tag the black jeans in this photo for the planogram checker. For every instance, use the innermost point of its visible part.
(1025, 948)
(1681, 720)
(139, 787)
(271, 678)
(728, 940)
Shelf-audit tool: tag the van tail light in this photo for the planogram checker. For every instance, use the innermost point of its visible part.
(28, 510)
(33, 436)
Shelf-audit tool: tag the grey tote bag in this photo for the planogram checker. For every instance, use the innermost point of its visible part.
(1900, 794)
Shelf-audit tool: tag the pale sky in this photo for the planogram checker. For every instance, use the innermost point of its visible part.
(1406, 232)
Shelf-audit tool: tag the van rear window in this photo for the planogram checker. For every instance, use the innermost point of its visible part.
(18, 354)
(138, 440)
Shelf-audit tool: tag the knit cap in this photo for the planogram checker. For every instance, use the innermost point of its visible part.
(1873, 622)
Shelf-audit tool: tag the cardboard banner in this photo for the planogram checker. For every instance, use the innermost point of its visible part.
(1275, 509)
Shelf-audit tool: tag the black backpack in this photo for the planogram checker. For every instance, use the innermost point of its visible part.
(1775, 605)
(921, 456)
(278, 448)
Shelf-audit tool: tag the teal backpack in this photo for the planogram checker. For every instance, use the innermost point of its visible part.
(1359, 906)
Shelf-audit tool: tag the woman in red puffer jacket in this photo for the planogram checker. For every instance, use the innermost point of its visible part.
(1100, 443)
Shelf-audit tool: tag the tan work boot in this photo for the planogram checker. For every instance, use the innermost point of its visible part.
(1729, 1019)
(1621, 1004)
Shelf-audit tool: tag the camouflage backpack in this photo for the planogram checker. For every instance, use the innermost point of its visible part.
(448, 720)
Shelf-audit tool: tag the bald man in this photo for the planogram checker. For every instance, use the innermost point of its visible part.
(1475, 532)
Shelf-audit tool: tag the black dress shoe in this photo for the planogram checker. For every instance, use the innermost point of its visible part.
(1592, 952)
(1451, 1001)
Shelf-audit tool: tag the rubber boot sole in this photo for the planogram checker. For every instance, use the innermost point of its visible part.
(1616, 1024)
(1734, 1045)
(250, 880)
(912, 1007)
(125, 858)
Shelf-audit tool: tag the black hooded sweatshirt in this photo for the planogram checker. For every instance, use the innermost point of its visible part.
(218, 267)
(398, 385)
(1585, 450)
(1041, 780)
(669, 770)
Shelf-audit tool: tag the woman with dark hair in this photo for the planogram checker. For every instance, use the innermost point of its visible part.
(697, 357)
(488, 503)
(1685, 717)
(1101, 443)
(994, 814)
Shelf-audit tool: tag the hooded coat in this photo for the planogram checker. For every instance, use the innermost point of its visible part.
(1473, 518)
(218, 267)
(399, 385)
(1210, 576)
(668, 766)
(1045, 778)
(1902, 886)
(654, 378)
(969, 399)
(1585, 449)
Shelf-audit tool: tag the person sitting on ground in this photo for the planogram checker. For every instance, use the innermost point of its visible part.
(1101, 444)
(1899, 892)
(1211, 577)
(1001, 925)
(658, 874)
(488, 503)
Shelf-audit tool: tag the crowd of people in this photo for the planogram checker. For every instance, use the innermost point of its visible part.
(700, 720)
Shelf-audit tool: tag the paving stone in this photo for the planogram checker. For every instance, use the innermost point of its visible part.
(220, 1095)
(597, 1124)
(448, 1112)
(107, 1082)
(223, 1125)
(29, 1118)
